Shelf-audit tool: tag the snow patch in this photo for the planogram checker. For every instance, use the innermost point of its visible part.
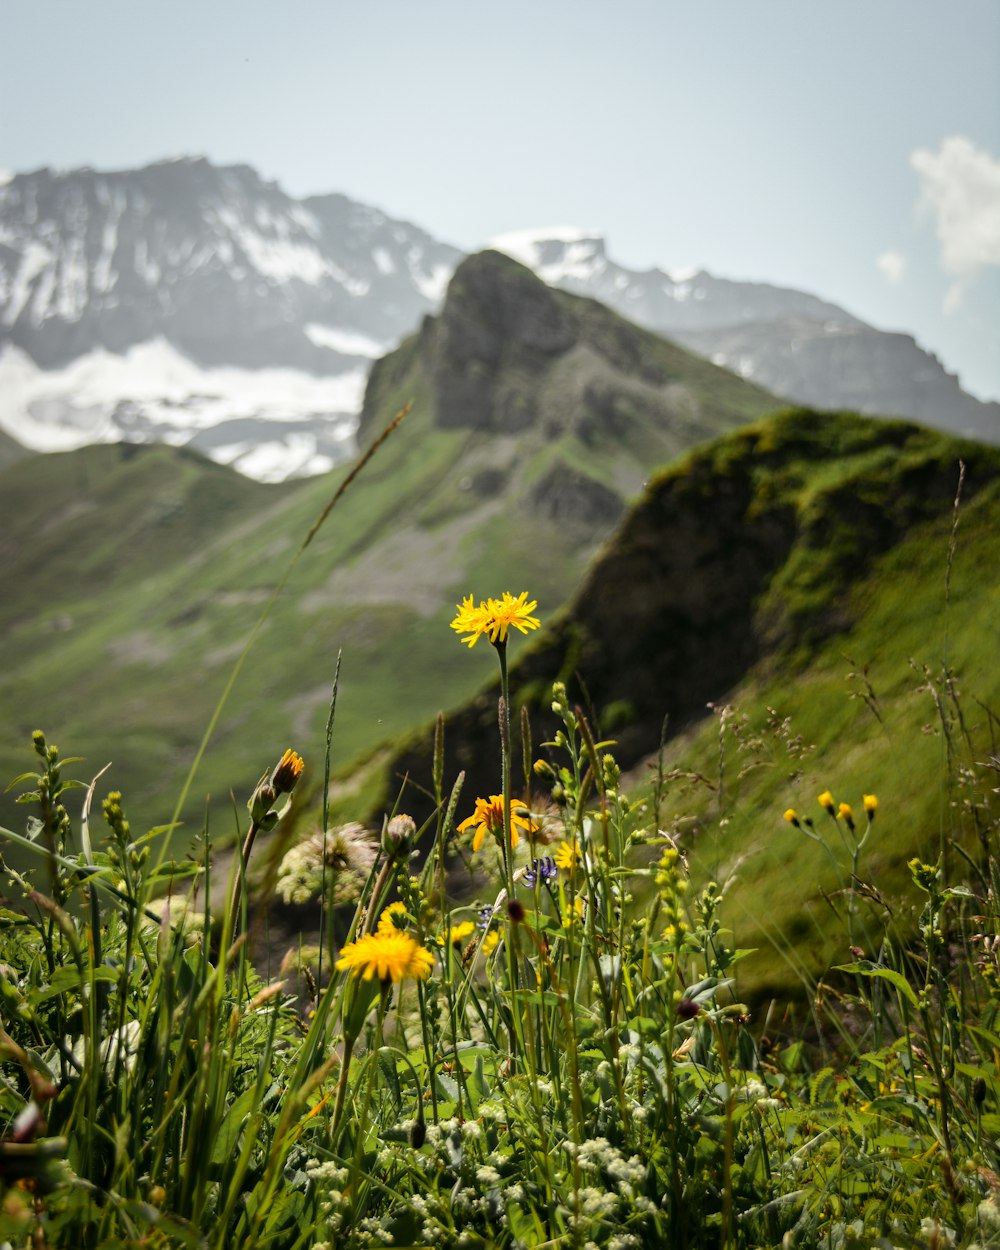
(276, 461)
(34, 258)
(524, 245)
(154, 394)
(433, 285)
(278, 257)
(347, 342)
(383, 261)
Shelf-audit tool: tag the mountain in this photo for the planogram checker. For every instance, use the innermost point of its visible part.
(537, 417)
(776, 608)
(202, 306)
(187, 303)
(800, 347)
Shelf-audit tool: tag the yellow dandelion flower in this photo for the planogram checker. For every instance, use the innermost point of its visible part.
(490, 942)
(494, 617)
(792, 816)
(508, 611)
(573, 914)
(457, 933)
(488, 818)
(390, 956)
(871, 805)
(846, 813)
(567, 855)
(394, 918)
(825, 800)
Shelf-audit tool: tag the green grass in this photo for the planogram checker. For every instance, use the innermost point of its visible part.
(141, 572)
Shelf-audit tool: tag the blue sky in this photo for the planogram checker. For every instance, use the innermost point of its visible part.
(850, 149)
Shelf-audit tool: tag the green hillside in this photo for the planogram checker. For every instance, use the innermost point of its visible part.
(766, 573)
(137, 574)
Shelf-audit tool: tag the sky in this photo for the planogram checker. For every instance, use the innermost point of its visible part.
(848, 149)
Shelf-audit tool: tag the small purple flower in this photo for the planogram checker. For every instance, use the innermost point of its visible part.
(485, 917)
(540, 869)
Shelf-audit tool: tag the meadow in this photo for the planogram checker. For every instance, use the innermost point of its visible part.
(560, 1054)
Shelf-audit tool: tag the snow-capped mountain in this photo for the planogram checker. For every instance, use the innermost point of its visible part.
(667, 302)
(794, 344)
(201, 305)
(193, 304)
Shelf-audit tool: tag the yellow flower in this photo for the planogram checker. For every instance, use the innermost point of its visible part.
(488, 818)
(287, 772)
(826, 800)
(845, 810)
(490, 942)
(573, 914)
(388, 955)
(394, 918)
(871, 805)
(495, 617)
(457, 933)
(792, 816)
(568, 855)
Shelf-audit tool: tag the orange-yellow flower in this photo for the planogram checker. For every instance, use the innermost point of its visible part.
(287, 772)
(394, 918)
(488, 818)
(494, 617)
(389, 955)
(871, 805)
(568, 855)
(825, 800)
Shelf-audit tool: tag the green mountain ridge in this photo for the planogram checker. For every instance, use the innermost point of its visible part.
(745, 576)
(139, 573)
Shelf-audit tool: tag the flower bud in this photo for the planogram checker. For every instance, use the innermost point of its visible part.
(398, 836)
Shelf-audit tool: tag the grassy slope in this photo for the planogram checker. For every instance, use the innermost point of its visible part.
(904, 624)
(139, 574)
(748, 574)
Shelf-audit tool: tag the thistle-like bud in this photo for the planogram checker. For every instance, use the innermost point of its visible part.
(398, 837)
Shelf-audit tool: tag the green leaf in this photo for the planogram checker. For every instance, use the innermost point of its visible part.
(865, 968)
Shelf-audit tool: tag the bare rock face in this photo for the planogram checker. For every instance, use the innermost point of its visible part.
(499, 329)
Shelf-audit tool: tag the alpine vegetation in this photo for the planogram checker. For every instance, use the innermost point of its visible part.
(527, 1020)
(562, 1061)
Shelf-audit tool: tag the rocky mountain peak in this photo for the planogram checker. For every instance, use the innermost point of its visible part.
(498, 319)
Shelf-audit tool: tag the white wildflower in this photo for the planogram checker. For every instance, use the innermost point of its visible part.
(341, 860)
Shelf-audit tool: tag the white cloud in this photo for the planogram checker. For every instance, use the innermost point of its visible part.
(960, 186)
(892, 265)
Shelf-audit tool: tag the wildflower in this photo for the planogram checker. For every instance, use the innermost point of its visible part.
(539, 870)
(871, 805)
(488, 818)
(568, 855)
(287, 772)
(515, 909)
(490, 942)
(340, 859)
(847, 813)
(398, 836)
(792, 816)
(687, 1009)
(387, 955)
(485, 917)
(825, 801)
(457, 933)
(494, 617)
(573, 914)
(394, 919)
